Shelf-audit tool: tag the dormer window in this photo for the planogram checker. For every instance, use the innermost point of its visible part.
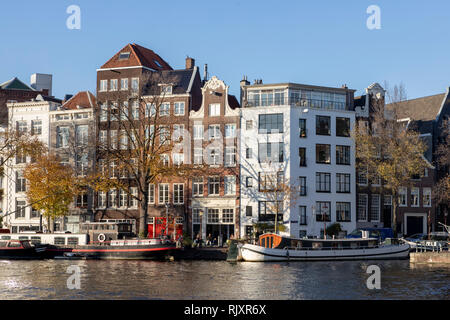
(124, 56)
(167, 89)
(157, 63)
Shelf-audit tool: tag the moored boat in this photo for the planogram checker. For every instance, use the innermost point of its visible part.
(19, 249)
(272, 247)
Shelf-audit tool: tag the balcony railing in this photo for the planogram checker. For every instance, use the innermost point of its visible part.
(323, 217)
(309, 103)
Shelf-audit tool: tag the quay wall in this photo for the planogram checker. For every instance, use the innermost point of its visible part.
(430, 257)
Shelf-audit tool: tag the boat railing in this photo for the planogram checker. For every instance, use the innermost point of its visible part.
(433, 246)
(330, 248)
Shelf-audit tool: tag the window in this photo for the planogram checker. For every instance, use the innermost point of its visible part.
(302, 155)
(21, 182)
(270, 152)
(164, 135)
(103, 85)
(198, 155)
(123, 198)
(230, 185)
(178, 193)
(270, 181)
(151, 193)
(323, 182)
(178, 159)
(35, 213)
(248, 211)
(230, 156)
(375, 205)
(271, 123)
(302, 186)
(178, 130)
(248, 153)
(342, 154)
(230, 130)
(362, 177)
(21, 157)
(426, 197)
(135, 110)
(124, 84)
(268, 209)
(302, 126)
(387, 200)
(198, 131)
(179, 108)
(82, 164)
(165, 159)
(113, 134)
(164, 109)
(135, 84)
(214, 157)
(20, 209)
(197, 187)
(249, 182)
(166, 89)
(103, 112)
(197, 216)
(228, 216)
(362, 207)
(21, 126)
(323, 211)
(214, 110)
(343, 212)
(249, 125)
(213, 216)
(113, 85)
(36, 127)
(113, 169)
(163, 193)
(302, 215)
(342, 127)
(323, 125)
(83, 115)
(214, 131)
(213, 185)
(112, 198)
(81, 135)
(323, 153)
(102, 199)
(343, 182)
(62, 137)
(150, 109)
(414, 197)
(403, 197)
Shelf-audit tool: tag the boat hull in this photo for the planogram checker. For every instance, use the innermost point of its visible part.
(19, 254)
(258, 254)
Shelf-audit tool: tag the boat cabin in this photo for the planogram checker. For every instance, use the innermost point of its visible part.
(16, 244)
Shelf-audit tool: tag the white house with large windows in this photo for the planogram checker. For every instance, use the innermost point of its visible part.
(300, 133)
(32, 117)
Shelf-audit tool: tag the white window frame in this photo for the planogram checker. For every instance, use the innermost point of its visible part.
(358, 206)
(403, 195)
(198, 132)
(124, 84)
(178, 193)
(103, 86)
(163, 193)
(151, 193)
(415, 194)
(230, 185)
(178, 107)
(375, 203)
(164, 109)
(426, 200)
(113, 85)
(214, 110)
(230, 130)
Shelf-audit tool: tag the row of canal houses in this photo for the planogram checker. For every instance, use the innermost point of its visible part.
(299, 131)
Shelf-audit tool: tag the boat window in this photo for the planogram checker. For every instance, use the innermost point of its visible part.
(60, 240)
(3, 244)
(72, 241)
(23, 238)
(317, 245)
(6, 237)
(35, 240)
(14, 244)
(353, 245)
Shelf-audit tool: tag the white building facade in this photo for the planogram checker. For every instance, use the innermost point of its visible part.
(303, 133)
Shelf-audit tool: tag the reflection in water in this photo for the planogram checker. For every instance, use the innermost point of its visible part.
(221, 280)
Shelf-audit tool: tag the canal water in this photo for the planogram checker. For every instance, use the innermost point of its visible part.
(47, 279)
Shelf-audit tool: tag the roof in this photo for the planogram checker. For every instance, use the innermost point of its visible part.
(233, 102)
(138, 56)
(179, 79)
(426, 108)
(298, 86)
(15, 84)
(82, 100)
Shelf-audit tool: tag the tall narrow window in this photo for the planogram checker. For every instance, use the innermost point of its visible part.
(197, 187)
(323, 153)
(302, 127)
(163, 193)
(230, 185)
(178, 193)
(343, 212)
(375, 207)
(213, 185)
(362, 207)
(343, 155)
(323, 125)
(342, 127)
(179, 108)
(323, 182)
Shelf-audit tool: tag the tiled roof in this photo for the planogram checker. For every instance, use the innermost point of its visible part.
(15, 84)
(179, 79)
(82, 100)
(426, 108)
(233, 102)
(138, 56)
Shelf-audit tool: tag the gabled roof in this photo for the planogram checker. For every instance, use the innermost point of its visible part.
(82, 100)
(15, 84)
(426, 108)
(138, 56)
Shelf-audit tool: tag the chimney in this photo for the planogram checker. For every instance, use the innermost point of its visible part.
(205, 73)
(344, 86)
(244, 81)
(190, 63)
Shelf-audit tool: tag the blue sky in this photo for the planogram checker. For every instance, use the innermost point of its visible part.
(311, 42)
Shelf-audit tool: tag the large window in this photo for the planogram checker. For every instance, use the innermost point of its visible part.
(230, 130)
(62, 137)
(268, 209)
(228, 216)
(81, 134)
(323, 125)
(103, 85)
(213, 185)
(342, 127)
(230, 185)
(198, 155)
(323, 182)
(36, 127)
(178, 193)
(323, 211)
(270, 181)
(403, 197)
(343, 212)
(230, 156)
(271, 123)
(362, 207)
(343, 182)
(375, 205)
(302, 216)
(414, 197)
(270, 152)
(214, 156)
(21, 185)
(179, 108)
(198, 131)
(197, 187)
(20, 209)
(214, 110)
(323, 153)
(214, 131)
(342, 154)
(213, 216)
(101, 199)
(426, 197)
(163, 193)
(164, 109)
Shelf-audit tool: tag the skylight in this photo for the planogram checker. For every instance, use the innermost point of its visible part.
(157, 63)
(124, 56)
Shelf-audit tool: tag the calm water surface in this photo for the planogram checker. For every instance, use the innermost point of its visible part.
(47, 279)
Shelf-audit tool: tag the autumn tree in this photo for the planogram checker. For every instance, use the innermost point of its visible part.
(387, 150)
(441, 190)
(143, 151)
(51, 187)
